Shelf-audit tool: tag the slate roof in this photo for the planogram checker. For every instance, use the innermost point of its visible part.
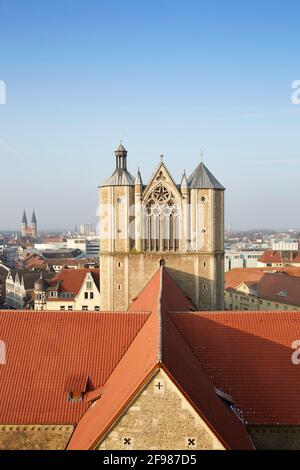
(202, 178)
(120, 177)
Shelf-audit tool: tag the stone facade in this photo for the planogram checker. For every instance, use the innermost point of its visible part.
(142, 226)
(148, 423)
(35, 437)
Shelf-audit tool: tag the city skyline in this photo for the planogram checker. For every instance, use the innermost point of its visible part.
(212, 78)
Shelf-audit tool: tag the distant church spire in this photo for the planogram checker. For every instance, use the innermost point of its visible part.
(33, 218)
(24, 218)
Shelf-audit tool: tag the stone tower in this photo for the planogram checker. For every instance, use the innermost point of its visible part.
(144, 226)
(33, 226)
(24, 225)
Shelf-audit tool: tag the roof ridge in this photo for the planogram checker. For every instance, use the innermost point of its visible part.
(159, 319)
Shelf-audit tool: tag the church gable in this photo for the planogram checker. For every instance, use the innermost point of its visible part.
(148, 423)
(162, 179)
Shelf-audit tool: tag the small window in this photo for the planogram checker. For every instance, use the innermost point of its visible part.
(70, 307)
(86, 295)
(119, 265)
(119, 287)
(89, 285)
(62, 307)
(97, 308)
(85, 307)
(91, 295)
(75, 396)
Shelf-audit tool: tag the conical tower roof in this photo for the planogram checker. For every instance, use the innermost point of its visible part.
(33, 218)
(24, 218)
(202, 178)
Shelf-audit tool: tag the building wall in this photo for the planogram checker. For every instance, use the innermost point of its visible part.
(275, 437)
(34, 437)
(150, 422)
(15, 294)
(199, 275)
(241, 259)
(242, 301)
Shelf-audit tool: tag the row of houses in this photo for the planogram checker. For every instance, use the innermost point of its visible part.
(68, 289)
(276, 288)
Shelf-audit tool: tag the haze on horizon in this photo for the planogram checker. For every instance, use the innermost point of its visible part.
(170, 78)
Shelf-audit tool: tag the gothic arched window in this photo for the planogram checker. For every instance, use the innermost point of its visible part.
(160, 221)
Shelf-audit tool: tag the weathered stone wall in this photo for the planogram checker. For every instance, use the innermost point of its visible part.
(123, 276)
(160, 418)
(34, 437)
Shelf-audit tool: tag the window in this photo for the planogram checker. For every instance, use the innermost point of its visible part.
(97, 308)
(86, 295)
(75, 396)
(89, 285)
(70, 307)
(160, 223)
(62, 307)
(91, 295)
(85, 307)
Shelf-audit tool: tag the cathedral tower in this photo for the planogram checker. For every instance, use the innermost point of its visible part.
(24, 225)
(143, 226)
(33, 226)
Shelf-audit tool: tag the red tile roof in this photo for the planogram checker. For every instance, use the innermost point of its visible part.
(270, 257)
(71, 280)
(45, 350)
(249, 356)
(159, 344)
(276, 286)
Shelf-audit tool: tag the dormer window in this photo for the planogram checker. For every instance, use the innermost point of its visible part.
(75, 396)
(283, 293)
(76, 386)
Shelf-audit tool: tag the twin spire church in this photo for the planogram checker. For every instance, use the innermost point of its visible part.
(180, 226)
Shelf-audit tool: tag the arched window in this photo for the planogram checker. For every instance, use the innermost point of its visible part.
(160, 227)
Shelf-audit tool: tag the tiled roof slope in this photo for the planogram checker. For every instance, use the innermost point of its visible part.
(270, 257)
(249, 356)
(159, 344)
(45, 349)
(275, 286)
(71, 280)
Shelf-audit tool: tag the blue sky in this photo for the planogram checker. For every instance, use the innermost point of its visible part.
(170, 77)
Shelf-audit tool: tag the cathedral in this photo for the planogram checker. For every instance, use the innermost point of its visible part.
(31, 229)
(180, 226)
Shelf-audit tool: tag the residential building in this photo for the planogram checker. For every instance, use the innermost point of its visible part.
(261, 289)
(69, 290)
(19, 287)
(241, 259)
